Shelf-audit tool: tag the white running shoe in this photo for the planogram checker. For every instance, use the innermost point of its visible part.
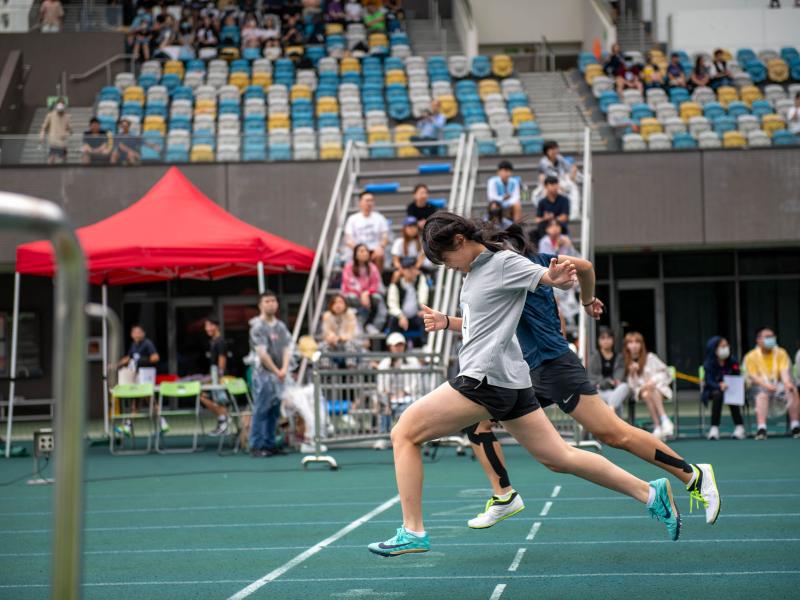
(667, 428)
(713, 433)
(309, 448)
(657, 433)
(704, 492)
(739, 433)
(496, 510)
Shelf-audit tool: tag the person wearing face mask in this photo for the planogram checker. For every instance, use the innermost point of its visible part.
(720, 362)
(768, 375)
(494, 215)
(57, 128)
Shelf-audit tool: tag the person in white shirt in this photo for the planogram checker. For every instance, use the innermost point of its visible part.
(354, 11)
(506, 189)
(793, 116)
(396, 391)
(405, 299)
(368, 227)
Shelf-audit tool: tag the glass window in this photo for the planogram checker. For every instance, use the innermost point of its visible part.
(772, 304)
(635, 266)
(770, 262)
(601, 266)
(698, 264)
(152, 316)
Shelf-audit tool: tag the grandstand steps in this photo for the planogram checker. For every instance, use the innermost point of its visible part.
(35, 153)
(427, 41)
(95, 21)
(560, 110)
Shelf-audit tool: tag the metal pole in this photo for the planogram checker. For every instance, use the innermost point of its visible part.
(261, 284)
(19, 212)
(12, 382)
(104, 295)
(583, 321)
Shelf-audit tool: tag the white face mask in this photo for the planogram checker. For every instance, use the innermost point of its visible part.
(723, 352)
(60, 107)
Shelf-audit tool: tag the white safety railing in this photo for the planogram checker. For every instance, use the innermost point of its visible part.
(586, 238)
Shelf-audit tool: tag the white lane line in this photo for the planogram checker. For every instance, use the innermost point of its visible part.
(303, 556)
(498, 591)
(556, 491)
(546, 509)
(517, 559)
(534, 530)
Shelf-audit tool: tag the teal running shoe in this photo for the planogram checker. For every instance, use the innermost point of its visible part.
(402, 542)
(663, 508)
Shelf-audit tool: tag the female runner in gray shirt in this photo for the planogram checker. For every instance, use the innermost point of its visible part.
(494, 382)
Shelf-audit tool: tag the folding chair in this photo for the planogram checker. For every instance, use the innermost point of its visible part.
(123, 397)
(237, 391)
(178, 391)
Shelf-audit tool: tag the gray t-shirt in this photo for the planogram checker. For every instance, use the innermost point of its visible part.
(274, 338)
(492, 298)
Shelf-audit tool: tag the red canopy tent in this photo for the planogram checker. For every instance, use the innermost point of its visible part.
(173, 232)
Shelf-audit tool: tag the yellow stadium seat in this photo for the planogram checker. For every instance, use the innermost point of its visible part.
(240, 80)
(502, 65)
(649, 125)
(403, 133)
(378, 39)
(229, 54)
(330, 152)
(262, 79)
(591, 72)
(278, 121)
(295, 50)
(690, 109)
(733, 139)
(174, 66)
(396, 76)
(727, 94)
(133, 93)
(154, 123)
(202, 153)
(407, 151)
(377, 134)
(327, 105)
(448, 106)
(488, 86)
(205, 106)
(750, 93)
(777, 70)
(333, 28)
(521, 114)
(350, 65)
(772, 123)
(300, 92)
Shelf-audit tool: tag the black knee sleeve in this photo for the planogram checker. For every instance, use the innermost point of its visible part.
(487, 440)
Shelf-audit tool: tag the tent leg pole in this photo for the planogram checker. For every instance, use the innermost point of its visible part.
(104, 293)
(261, 284)
(12, 384)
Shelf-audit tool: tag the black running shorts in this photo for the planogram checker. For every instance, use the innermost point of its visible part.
(503, 404)
(561, 381)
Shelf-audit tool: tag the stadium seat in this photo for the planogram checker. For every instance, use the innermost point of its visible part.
(698, 126)
(648, 126)
(781, 137)
(683, 141)
(502, 66)
(690, 109)
(758, 139)
(724, 124)
(659, 141)
(749, 94)
(772, 123)
(747, 123)
(592, 70)
(633, 142)
(713, 110)
(777, 70)
(708, 140)
(727, 94)
(736, 108)
(734, 139)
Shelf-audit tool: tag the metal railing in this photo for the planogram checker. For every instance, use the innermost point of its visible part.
(545, 58)
(106, 64)
(23, 213)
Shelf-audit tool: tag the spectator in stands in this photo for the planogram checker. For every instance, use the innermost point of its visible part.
(272, 28)
(339, 327)
(494, 215)
(374, 19)
(405, 299)
(292, 36)
(207, 37)
(607, 371)
(395, 14)
(651, 75)
(361, 286)
(127, 145)
(768, 370)
(396, 391)
(627, 78)
(252, 34)
(272, 343)
(793, 116)
(419, 207)
(408, 245)
(186, 41)
(57, 127)
(553, 163)
(217, 354)
(354, 11)
(313, 28)
(368, 227)
(615, 61)
(506, 189)
(553, 241)
(272, 49)
(140, 31)
(720, 74)
(429, 129)
(675, 75)
(553, 205)
(96, 144)
(701, 74)
(162, 36)
(51, 16)
(718, 363)
(649, 380)
(334, 12)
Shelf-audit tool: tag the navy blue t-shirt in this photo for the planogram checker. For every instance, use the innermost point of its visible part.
(539, 328)
(141, 352)
(558, 208)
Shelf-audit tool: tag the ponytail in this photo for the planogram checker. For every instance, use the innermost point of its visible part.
(441, 229)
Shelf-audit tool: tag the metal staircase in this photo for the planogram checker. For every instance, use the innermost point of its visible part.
(433, 37)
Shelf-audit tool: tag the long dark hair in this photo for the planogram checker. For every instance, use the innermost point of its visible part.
(360, 268)
(441, 229)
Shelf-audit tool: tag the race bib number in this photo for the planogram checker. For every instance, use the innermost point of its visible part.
(464, 322)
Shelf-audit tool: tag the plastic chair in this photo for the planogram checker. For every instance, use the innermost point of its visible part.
(179, 391)
(124, 397)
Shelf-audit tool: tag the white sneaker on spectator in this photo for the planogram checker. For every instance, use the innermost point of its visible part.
(657, 433)
(739, 433)
(667, 428)
(713, 433)
(309, 448)
(222, 427)
(381, 444)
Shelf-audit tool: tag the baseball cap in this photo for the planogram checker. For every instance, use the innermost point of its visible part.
(410, 220)
(395, 338)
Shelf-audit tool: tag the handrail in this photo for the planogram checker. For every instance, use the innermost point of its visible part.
(17, 213)
(106, 64)
(548, 55)
(586, 237)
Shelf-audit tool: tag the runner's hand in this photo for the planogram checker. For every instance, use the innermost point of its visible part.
(595, 309)
(563, 275)
(434, 320)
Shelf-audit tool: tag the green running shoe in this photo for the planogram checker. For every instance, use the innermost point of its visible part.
(663, 508)
(402, 542)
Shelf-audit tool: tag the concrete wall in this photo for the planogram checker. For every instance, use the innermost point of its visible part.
(11, 90)
(526, 21)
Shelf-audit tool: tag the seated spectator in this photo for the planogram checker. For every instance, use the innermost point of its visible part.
(675, 75)
(701, 74)
(229, 33)
(142, 353)
(494, 215)
(405, 299)
(361, 286)
(408, 245)
(554, 164)
(313, 28)
(627, 78)
(650, 381)
(272, 49)
(506, 189)
(127, 146)
(396, 391)
(720, 74)
(354, 11)
(615, 61)
(218, 359)
(368, 227)
(429, 129)
(163, 36)
(140, 32)
(339, 329)
(769, 377)
(207, 37)
(51, 16)
(186, 41)
(553, 205)
(57, 127)
(334, 12)
(292, 36)
(553, 241)
(96, 149)
(793, 116)
(607, 371)
(718, 363)
(374, 19)
(651, 75)
(419, 207)
(252, 34)
(272, 28)
(395, 14)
